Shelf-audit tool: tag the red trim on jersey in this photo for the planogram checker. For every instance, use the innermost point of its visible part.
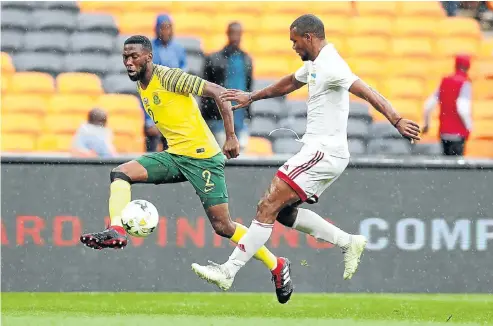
(264, 225)
(318, 157)
(301, 193)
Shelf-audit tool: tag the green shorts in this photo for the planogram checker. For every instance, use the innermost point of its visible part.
(205, 175)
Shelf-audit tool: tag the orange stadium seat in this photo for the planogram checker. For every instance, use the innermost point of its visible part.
(490, 4)
(369, 46)
(125, 125)
(71, 104)
(54, 142)
(63, 123)
(482, 110)
(276, 23)
(459, 27)
(142, 23)
(7, 65)
(411, 47)
(248, 21)
(32, 83)
(482, 129)
(18, 142)
(20, 123)
(79, 82)
(408, 67)
(418, 9)
(258, 146)
(5, 83)
(271, 67)
(371, 26)
(335, 25)
(404, 88)
(415, 26)
(482, 89)
(24, 103)
(451, 46)
(479, 149)
(482, 68)
(129, 144)
(120, 104)
(103, 6)
(377, 8)
(432, 135)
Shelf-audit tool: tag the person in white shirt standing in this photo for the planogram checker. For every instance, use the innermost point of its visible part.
(322, 159)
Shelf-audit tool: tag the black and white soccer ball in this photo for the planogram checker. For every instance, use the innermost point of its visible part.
(140, 218)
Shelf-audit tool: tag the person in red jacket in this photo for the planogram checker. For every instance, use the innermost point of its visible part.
(454, 96)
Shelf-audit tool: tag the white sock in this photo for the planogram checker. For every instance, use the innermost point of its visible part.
(257, 235)
(313, 224)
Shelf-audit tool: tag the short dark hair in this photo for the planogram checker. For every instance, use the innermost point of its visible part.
(139, 39)
(309, 24)
(234, 24)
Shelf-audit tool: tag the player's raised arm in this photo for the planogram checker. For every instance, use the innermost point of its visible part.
(406, 128)
(282, 87)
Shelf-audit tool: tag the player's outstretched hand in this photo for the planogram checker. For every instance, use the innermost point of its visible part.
(231, 147)
(409, 129)
(242, 98)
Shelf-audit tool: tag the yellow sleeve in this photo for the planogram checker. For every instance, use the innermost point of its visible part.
(177, 81)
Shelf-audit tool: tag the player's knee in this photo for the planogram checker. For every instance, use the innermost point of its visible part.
(223, 229)
(119, 173)
(266, 211)
(287, 215)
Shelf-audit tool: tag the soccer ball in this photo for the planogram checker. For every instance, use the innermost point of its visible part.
(140, 218)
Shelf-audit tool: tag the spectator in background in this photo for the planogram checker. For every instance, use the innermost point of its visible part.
(166, 52)
(454, 97)
(450, 7)
(93, 139)
(231, 68)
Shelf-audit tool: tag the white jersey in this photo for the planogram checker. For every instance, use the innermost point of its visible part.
(328, 78)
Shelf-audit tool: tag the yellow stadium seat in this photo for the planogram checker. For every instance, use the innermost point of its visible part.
(433, 133)
(129, 144)
(142, 23)
(335, 25)
(25, 103)
(236, 7)
(459, 27)
(258, 146)
(7, 65)
(372, 26)
(71, 104)
(32, 83)
(300, 8)
(421, 9)
(273, 44)
(18, 142)
(186, 23)
(150, 6)
(405, 88)
(103, 6)
(482, 89)
(377, 8)
(79, 83)
(120, 104)
(482, 110)
(408, 108)
(339, 43)
(63, 123)
(369, 46)
(5, 83)
(482, 129)
(451, 46)
(20, 122)
(340, 8)
(276, 23)
(217, 41)
(479, 149)
(486, 48)
(271, 67)
(411, 47)
(415, 26)
(249, 22)
(408, 67)
(482, 68)
(299, 94)
(54, 142)
(125, 125)
(366, 67)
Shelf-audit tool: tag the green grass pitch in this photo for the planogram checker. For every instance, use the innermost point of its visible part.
(234, 309)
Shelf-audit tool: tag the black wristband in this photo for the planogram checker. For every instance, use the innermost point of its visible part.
(395, 124)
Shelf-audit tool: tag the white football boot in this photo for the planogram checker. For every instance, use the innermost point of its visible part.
(214, 274)
(352, 255)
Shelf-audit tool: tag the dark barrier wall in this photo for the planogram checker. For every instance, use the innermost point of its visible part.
(429, 230)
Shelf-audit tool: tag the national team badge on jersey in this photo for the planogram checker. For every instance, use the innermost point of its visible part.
(146, 101)
(156, 99)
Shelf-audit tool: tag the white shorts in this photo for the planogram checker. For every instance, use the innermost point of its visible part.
(311, 171)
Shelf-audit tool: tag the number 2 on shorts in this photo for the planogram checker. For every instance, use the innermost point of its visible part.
(206, 174)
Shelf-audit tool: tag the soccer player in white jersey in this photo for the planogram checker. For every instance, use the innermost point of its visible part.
(322, 159)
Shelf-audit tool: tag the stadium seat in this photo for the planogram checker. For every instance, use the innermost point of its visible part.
(226, 7)
(142, 23)
(300, 94)
(48, 42)
(357, 129)
(191, 44)
(189, 23)
(406, 88)
(94, 42)
(261, 127)
(371, 26)
(249, 22)
(459, 27)
(91, 63)
(115, 65)
(123, 104)
(370, 67)
(66, 6)
(339, 8)
(278, 23)
(409, 108)
(479, 149)
(126, 125)
(417, 9)
(408, 67)
(18, 142)
(70, 104)
(6, 63)
(150, 6)
(271, 67)
(451, 46)
(286, 146)
(334, 25)
(195, 64)
(49, 63)
(483, 130)
(383, 130)
(273, 44)
(129, 144)
(258, 146)
(26, 6)
(415, 26)
(53, 21)
(360, 111)
(54, 142)
(97, 23)
(411, 47)
(377, 8)
(15, 20)
(5, 83)
(120, 84)
(32, 83)
(11, 41)
(20, 123)
(482, 89)
(368, 46)
(428, 149)
(63, 123)
(297, 125)
(103, 6)
(268, 108)
(79, 83)
(356, 146)
(297, 108)
(482, 109)
(389, 147)
(24, 103)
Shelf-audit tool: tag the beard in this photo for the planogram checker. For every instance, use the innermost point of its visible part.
(305, 57)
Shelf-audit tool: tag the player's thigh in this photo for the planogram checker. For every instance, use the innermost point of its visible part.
(207, 177)
(160, 168)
